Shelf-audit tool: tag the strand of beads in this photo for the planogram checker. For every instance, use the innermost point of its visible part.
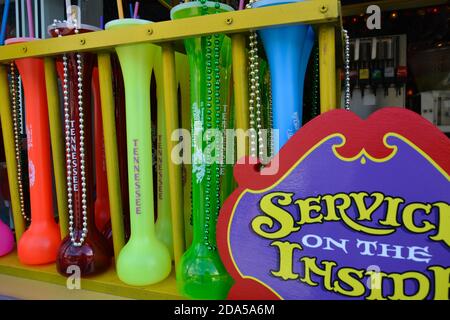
(208, 126)
(347, 94)
(218, 114)
(82, 150)
(255, 96)
(15, 96)
(213, 120)
(67, 139)
(315, 89)
(270, 131)
(70, 180)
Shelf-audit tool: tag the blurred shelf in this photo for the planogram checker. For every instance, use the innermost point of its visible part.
(25, 289)
(387, 5)
(107, 283)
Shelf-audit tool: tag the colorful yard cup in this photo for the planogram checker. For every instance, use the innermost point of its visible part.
(144, 260)
(201, 274)
(287, 49)
(39, 243)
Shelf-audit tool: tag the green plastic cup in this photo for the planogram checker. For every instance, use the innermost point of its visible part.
(201, 274)
(144, 260)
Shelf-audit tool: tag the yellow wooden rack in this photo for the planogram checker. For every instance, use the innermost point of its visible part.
(323, 14)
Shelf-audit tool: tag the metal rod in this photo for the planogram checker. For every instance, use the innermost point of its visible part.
(23, 18)
(43, 26)
(17, 18)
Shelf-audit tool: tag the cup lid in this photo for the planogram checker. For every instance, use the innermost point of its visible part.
(69, 27)
(268, 3)
(126, 22)
(194, 4)
(19, 40)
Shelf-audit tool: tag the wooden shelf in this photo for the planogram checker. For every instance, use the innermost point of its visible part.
(107, 283)
(306, 12)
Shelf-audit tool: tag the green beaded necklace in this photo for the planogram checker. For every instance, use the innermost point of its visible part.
(213, 121)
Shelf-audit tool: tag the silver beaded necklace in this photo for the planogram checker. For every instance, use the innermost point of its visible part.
(67, 122)
(16, 104)
(255, 96)
(346, 70)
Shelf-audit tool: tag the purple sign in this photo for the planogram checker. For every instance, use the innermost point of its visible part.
(340, 225)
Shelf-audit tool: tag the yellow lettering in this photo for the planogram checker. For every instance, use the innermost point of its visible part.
(307, 207)
(275, 213)
(441, 282)
(444, 223)
(330, 201)
(357, 288)
(376, 287)
(311, 267)
(392, 212)
(286, 250)
(423, 286)
(408, 217)
(360, 201)
(361, 228)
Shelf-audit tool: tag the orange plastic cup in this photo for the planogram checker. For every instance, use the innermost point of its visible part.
(40, 242)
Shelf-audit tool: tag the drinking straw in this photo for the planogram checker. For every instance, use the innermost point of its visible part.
(102, 23)
(120, 9)
(136, 9)
(4, 22)
(241, 4)
(131, 10)
(30, 18)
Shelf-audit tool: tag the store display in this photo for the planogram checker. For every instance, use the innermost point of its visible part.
(201, 157)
